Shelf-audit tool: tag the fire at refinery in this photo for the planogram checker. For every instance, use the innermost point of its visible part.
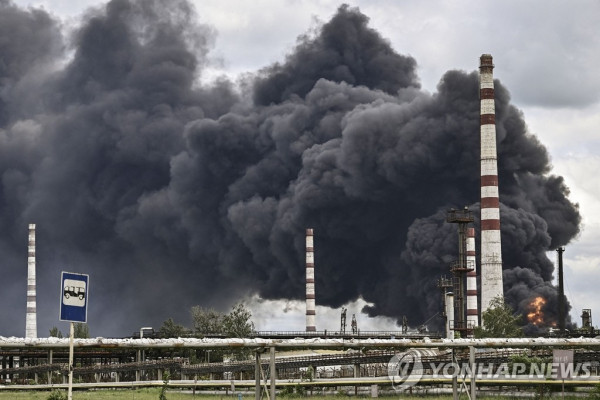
(201, 192)
(536, 316)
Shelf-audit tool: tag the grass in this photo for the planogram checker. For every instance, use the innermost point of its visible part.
(117, 394)
(153, 394)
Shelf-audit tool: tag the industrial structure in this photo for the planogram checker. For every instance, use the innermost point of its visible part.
(491, 249)
(107, 363)
(449, 311)
(586, 319)
(31, 316)
(561, 292)
(472, 308)
(460, 269)
(445, 285)
(459, 294)
(310, 282)
(465, 314)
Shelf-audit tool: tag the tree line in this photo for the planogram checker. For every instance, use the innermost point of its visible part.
(205, 322)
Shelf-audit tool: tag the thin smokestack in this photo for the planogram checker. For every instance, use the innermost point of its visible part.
(31, 318)
(472, 309)
(491, 248)
(449, 304)
(310, 282)
(561, 292)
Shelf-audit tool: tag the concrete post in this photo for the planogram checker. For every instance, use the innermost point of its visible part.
(257, 376)
(374, 391)
(138, 358)
(454, 380)
(49, 362)
(273, 373)
(356, 375)
(473, 372)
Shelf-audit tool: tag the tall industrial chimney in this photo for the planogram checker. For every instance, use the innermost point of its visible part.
(310, 282)
(472, 309)
(491, 249)
(31, 317)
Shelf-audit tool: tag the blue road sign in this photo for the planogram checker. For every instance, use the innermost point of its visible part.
(74, 293)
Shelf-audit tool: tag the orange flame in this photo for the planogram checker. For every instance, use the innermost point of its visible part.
(536, 316)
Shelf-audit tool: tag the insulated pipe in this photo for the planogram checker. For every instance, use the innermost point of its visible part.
(337, 343)
(472, 309)
(491, 248)
(31, 316)
(310, 282)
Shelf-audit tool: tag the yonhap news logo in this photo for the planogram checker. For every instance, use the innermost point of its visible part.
(405, 369)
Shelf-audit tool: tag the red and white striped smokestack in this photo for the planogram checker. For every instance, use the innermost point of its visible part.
(472, 309)
(310, 282)
(31, 316)
(491, 249)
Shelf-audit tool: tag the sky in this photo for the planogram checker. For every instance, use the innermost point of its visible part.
(545, 54)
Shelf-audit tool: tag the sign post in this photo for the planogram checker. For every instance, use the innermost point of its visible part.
(74, 293)
(562, 360)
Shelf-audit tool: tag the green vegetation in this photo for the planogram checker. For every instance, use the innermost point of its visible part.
(153, 394)
(235, 324)
(595, 394)
(58, 395)
(170, 329)
(108, 394)
(54, 332)
(526, 361)
(163, 390)
(499, 321)
(81, 331)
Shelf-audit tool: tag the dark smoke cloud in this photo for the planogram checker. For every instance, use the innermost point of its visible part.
(344, 50)
(170, 193)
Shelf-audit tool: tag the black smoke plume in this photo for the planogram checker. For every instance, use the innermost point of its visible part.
(171, 193)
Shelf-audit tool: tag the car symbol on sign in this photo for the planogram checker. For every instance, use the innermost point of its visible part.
(74, 291)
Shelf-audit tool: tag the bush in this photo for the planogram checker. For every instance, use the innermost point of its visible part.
(287, 391)
(595, 393)
(57, 395)
(163, 391)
